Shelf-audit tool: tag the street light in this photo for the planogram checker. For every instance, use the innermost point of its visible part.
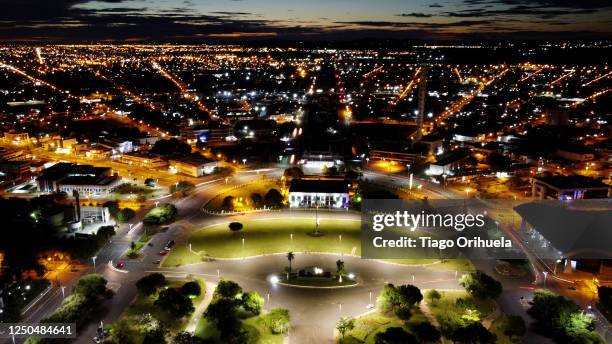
(545, 275)
(94, 261)
(63, 288)
(410, 181)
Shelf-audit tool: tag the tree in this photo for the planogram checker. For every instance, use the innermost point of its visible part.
(409, 295)
(513, 326)
(227, 289)
(235, 226)
(340, 270)
(156, 336)
(124, 215)
(388, 298)
(273, 198)
(345, 324)
(113, 207)
(392, 297)
(474, 333)
(290, 258)
(252, 302)
(403, 312)
(277, 320)
(186, 338)
(163, 213)
(257, 199)
(605, 301)
(228, 203)
(223, 313)
(176, 304)
(481, 285)
(149, 284)
(426, 332)
(122, 333)
(191, 288)
(105, 232)
(558, 317)
(330, 171)
(394, 335)
(293, 173)
(183, 187)
(91, 286)
(433, 296)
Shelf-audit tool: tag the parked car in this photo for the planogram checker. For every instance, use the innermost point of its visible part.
(120, 264)
(163, 253)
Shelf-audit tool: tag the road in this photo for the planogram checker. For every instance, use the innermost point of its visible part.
(313, 312)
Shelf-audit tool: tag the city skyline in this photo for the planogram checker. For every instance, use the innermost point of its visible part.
(194, 20)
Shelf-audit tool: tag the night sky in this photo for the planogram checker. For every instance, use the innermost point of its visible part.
(176, 20)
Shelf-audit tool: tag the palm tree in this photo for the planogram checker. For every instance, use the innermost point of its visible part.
(290, 257)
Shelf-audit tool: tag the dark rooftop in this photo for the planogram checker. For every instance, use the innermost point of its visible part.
(315, 185)
(572, 182)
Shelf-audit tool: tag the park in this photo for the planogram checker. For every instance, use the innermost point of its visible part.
(280, 235)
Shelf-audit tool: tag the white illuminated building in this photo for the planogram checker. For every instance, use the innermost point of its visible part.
(310, 193)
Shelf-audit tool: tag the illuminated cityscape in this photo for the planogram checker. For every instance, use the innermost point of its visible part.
(216, 188)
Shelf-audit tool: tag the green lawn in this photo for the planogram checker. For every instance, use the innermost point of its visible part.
(258, 332)
(274, 236)
(368, 326)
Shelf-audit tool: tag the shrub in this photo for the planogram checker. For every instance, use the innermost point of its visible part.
(191, 288)
(277, 320)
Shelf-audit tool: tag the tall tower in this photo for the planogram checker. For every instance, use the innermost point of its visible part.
(421, 109)
(77, 208)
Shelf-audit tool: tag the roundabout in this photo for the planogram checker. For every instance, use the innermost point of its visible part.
(314, 311)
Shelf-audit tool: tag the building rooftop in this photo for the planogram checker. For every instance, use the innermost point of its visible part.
(572, 182)
(316, 185)
(193, 159)
(89, 180)
(451, 157)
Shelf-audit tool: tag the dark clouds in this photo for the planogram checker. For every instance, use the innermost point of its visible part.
(141, 20)
(415, 15)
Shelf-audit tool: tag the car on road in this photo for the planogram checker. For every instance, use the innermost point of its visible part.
(163, 253)
(169, 245)
(156, 262)
(120, 264)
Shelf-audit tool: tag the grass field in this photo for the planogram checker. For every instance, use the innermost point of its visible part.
(258, 332)
(368, 326)
(275, 236)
